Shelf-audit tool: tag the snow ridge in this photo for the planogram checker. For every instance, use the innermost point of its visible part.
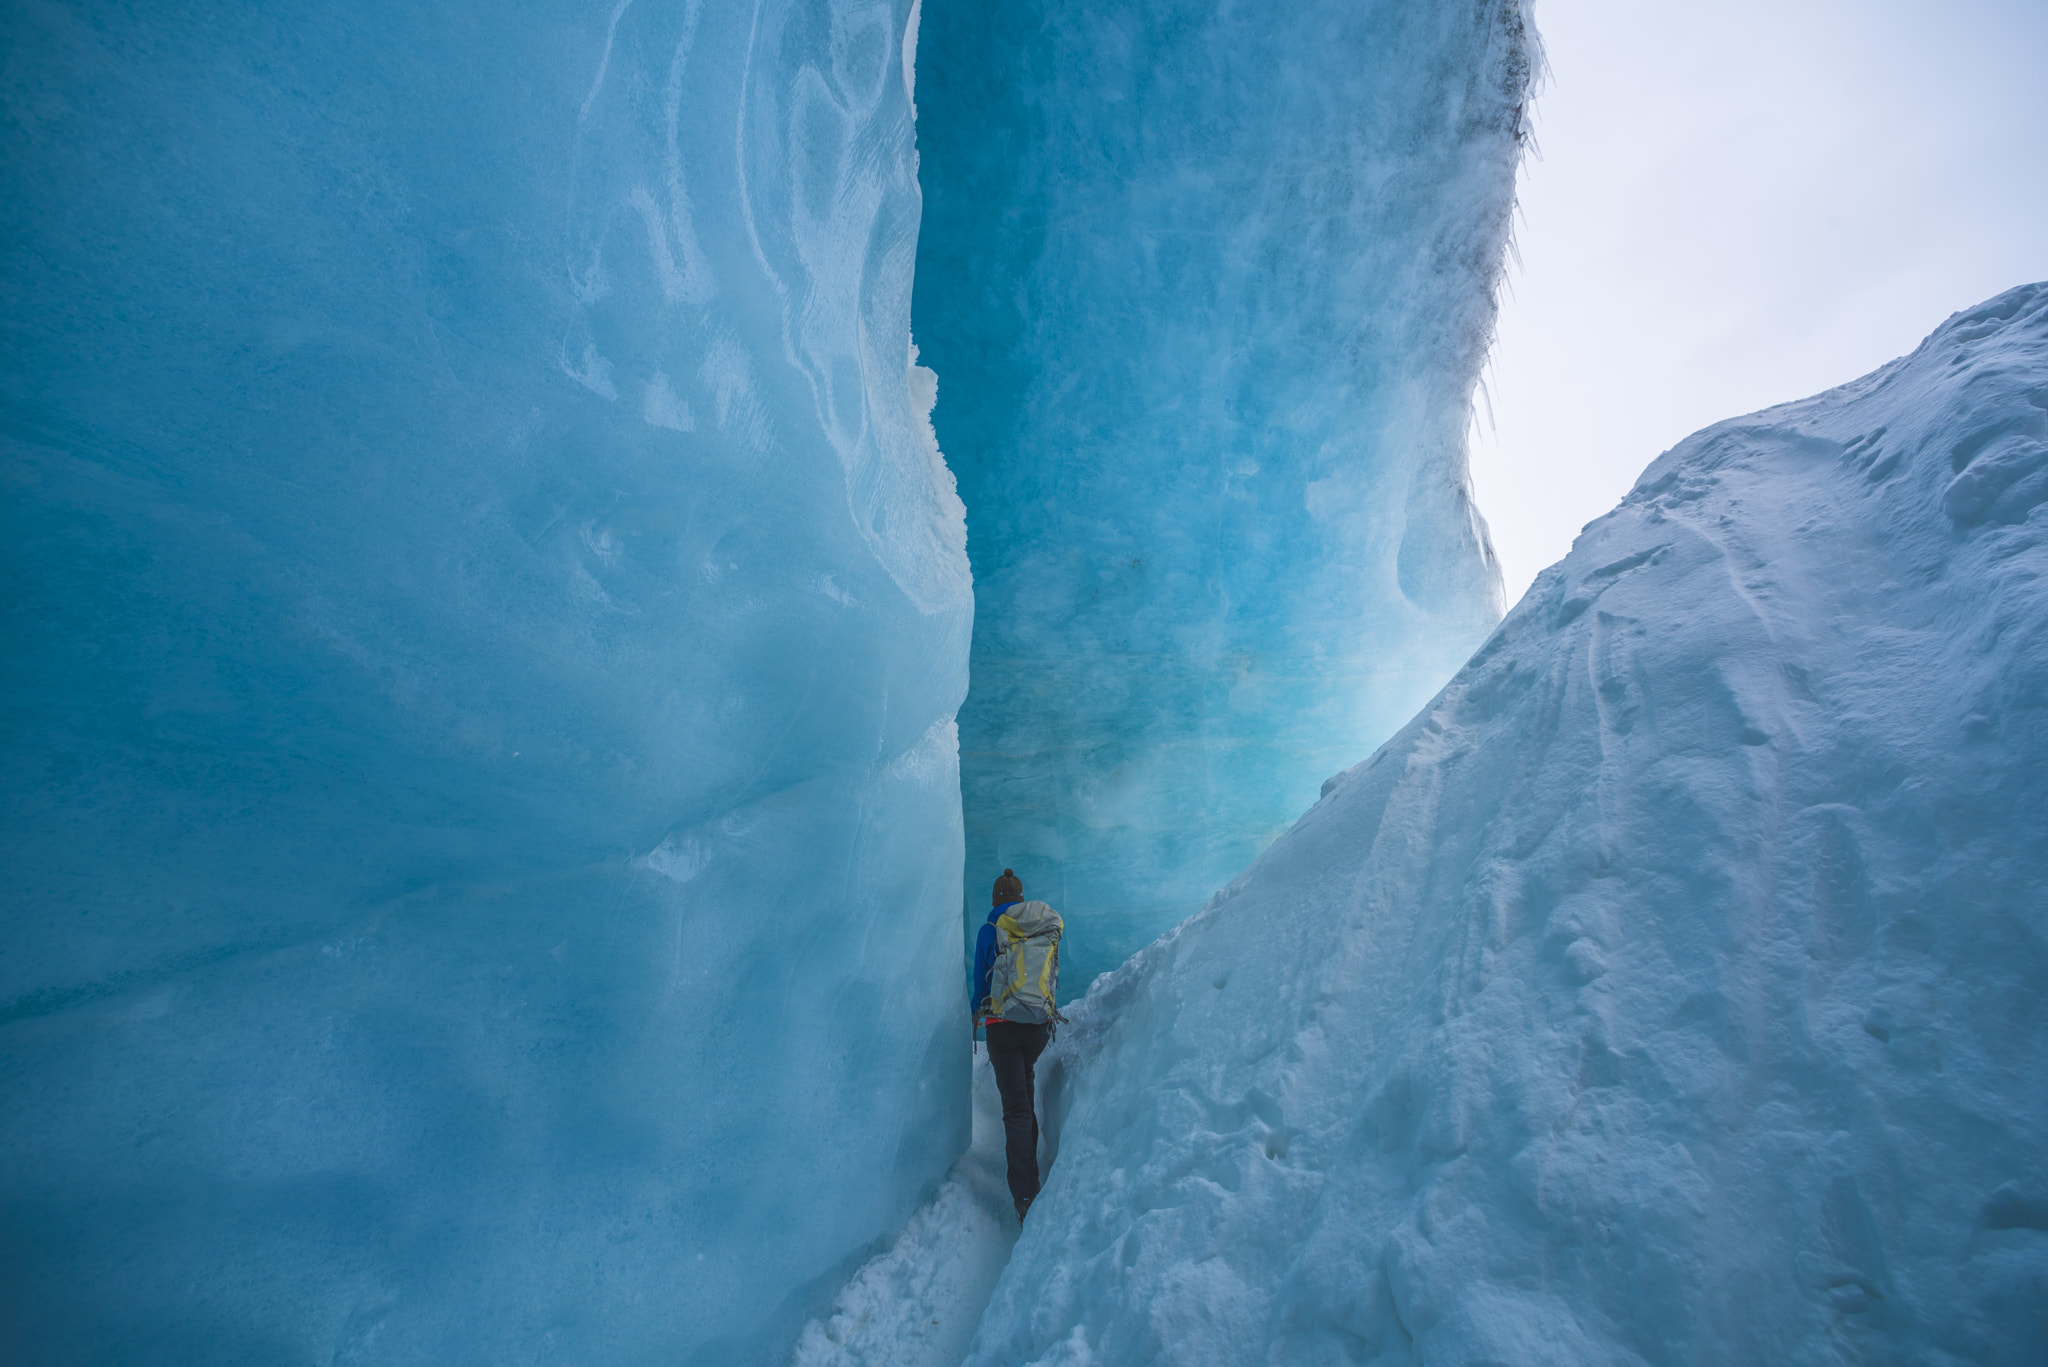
(1669, 990)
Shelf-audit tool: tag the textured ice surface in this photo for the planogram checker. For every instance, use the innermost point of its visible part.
(483, 623)
(1669, 990)
(1209, 286)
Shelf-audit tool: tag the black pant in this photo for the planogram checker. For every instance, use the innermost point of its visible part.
(1013, 1052)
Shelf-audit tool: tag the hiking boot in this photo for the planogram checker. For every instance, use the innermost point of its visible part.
(1022, 1206)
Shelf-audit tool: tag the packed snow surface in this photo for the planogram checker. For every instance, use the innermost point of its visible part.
(484, 619)
(1210, 286)
(916, 1304)
(1672, 989)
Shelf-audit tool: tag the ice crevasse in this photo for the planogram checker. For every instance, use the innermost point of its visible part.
(486, 615)
(1670, 989)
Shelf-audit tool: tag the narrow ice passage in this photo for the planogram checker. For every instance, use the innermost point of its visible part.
(1205, 385)
(918, 1303)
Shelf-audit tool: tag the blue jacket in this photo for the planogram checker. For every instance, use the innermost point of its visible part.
(985, 957)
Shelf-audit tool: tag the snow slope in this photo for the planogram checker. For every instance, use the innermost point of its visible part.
(1670, 990)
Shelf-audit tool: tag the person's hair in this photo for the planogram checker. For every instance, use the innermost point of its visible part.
(1008, 888)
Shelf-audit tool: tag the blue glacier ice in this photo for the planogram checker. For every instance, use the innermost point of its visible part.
(1668, 990)
(487, 614)
(485, 618)
(1209, 287)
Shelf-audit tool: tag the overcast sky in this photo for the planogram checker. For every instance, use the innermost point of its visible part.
(1741, 203)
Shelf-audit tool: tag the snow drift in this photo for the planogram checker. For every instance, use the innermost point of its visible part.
(1671, 989)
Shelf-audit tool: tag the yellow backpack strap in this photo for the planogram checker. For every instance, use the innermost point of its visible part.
(1001, 992)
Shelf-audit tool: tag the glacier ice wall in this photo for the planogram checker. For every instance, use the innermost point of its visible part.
(1210, 286)
(484, 620)
(1669, 990)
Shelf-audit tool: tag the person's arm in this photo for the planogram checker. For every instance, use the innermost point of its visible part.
(984, 965)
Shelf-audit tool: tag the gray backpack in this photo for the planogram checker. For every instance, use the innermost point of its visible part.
(1025, 981)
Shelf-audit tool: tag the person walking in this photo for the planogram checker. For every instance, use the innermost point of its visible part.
(1016, 985)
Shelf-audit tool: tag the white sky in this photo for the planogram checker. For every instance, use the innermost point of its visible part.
(1740, 203)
